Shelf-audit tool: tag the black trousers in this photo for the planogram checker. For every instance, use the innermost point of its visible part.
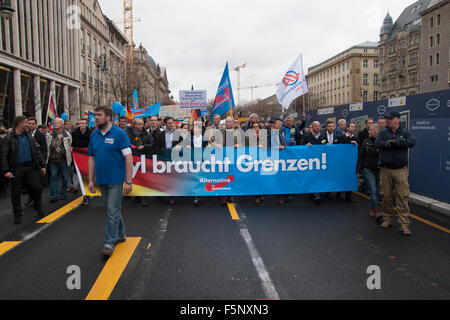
(25, 178)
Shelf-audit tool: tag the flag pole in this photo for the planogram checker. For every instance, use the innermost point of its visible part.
(48, 106)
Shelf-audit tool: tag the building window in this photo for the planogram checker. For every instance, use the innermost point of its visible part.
(438, 19)
(438, 39)
(430, 60)
(375, 96)
(413, 79)
(365, 96)
(431, 42)
(365, 63)
(434, 78)
(365, 78)
(375, 63)
(431, 22)
(438, 58)
(403, 43)
(376, 79)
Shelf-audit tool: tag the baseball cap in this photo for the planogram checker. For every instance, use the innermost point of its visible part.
(393, 114)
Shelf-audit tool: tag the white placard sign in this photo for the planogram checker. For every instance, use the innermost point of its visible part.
(397, 102)
(193, 99)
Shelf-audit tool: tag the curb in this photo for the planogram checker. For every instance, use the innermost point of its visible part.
(430, 204)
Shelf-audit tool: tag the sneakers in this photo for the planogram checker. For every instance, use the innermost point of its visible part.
(405, 230)
(107, 251)
(120, 240)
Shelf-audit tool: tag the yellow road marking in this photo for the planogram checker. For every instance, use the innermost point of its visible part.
(61, 212)
(7, 245)
(233, 212)
(149, 245)
(431, 224)
(113, 269)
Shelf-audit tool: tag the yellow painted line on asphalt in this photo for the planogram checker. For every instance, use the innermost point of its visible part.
(7, 245)
(233, 212)
(62, 211)
(113, 269)
(431, 224)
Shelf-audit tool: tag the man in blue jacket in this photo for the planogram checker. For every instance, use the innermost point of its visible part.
(394, 143)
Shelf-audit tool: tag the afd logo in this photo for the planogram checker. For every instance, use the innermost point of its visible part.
(291, 78)
(210, 187)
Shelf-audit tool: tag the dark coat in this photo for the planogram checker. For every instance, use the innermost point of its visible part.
(394, 154)
(310, 138)
(41, 141)
(9, 152)
(79, 139)
(368, 156)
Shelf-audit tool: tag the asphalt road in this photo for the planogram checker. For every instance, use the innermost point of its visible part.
(292, 252)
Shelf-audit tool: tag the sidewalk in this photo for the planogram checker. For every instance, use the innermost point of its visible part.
(430, 204)
(7, 226)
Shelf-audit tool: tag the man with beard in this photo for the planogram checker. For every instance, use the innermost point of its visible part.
(80, 140)
(111, 166)
(140, 141)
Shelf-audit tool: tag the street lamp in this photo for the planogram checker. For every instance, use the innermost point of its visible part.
(101, 65)
(6, 11)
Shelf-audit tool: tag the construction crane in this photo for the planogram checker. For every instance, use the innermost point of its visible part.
(128, 31)
(256, 87)
(238, 71)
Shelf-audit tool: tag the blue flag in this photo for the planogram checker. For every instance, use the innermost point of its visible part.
(91, 119)
(135, 99)
(224, 101)
(146, 112)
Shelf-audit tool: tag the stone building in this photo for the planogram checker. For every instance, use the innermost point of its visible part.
(399, 51)
(435, 48)
(150, 79)
(349, 77)
(38, 55)
(102, 58)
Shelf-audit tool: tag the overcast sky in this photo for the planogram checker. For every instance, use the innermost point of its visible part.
(194, 39)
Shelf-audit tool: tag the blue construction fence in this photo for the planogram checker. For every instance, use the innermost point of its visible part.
(427, 116)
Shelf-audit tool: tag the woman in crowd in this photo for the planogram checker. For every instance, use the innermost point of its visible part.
(368, 168)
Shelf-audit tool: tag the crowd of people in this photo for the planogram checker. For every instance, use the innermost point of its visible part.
(30, 152)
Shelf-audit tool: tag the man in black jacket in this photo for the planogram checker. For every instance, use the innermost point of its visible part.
(394, 143)
(20, 162)
(80, 140)
(315, 138)
(141, 141)
(349, 138)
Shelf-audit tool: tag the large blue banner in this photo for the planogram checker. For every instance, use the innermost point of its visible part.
(243, 171)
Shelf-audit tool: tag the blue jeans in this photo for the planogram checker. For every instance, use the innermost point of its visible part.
(58, 169)
(372, 179)
(114, 228)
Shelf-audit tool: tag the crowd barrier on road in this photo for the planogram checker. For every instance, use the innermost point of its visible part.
(427, 116)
